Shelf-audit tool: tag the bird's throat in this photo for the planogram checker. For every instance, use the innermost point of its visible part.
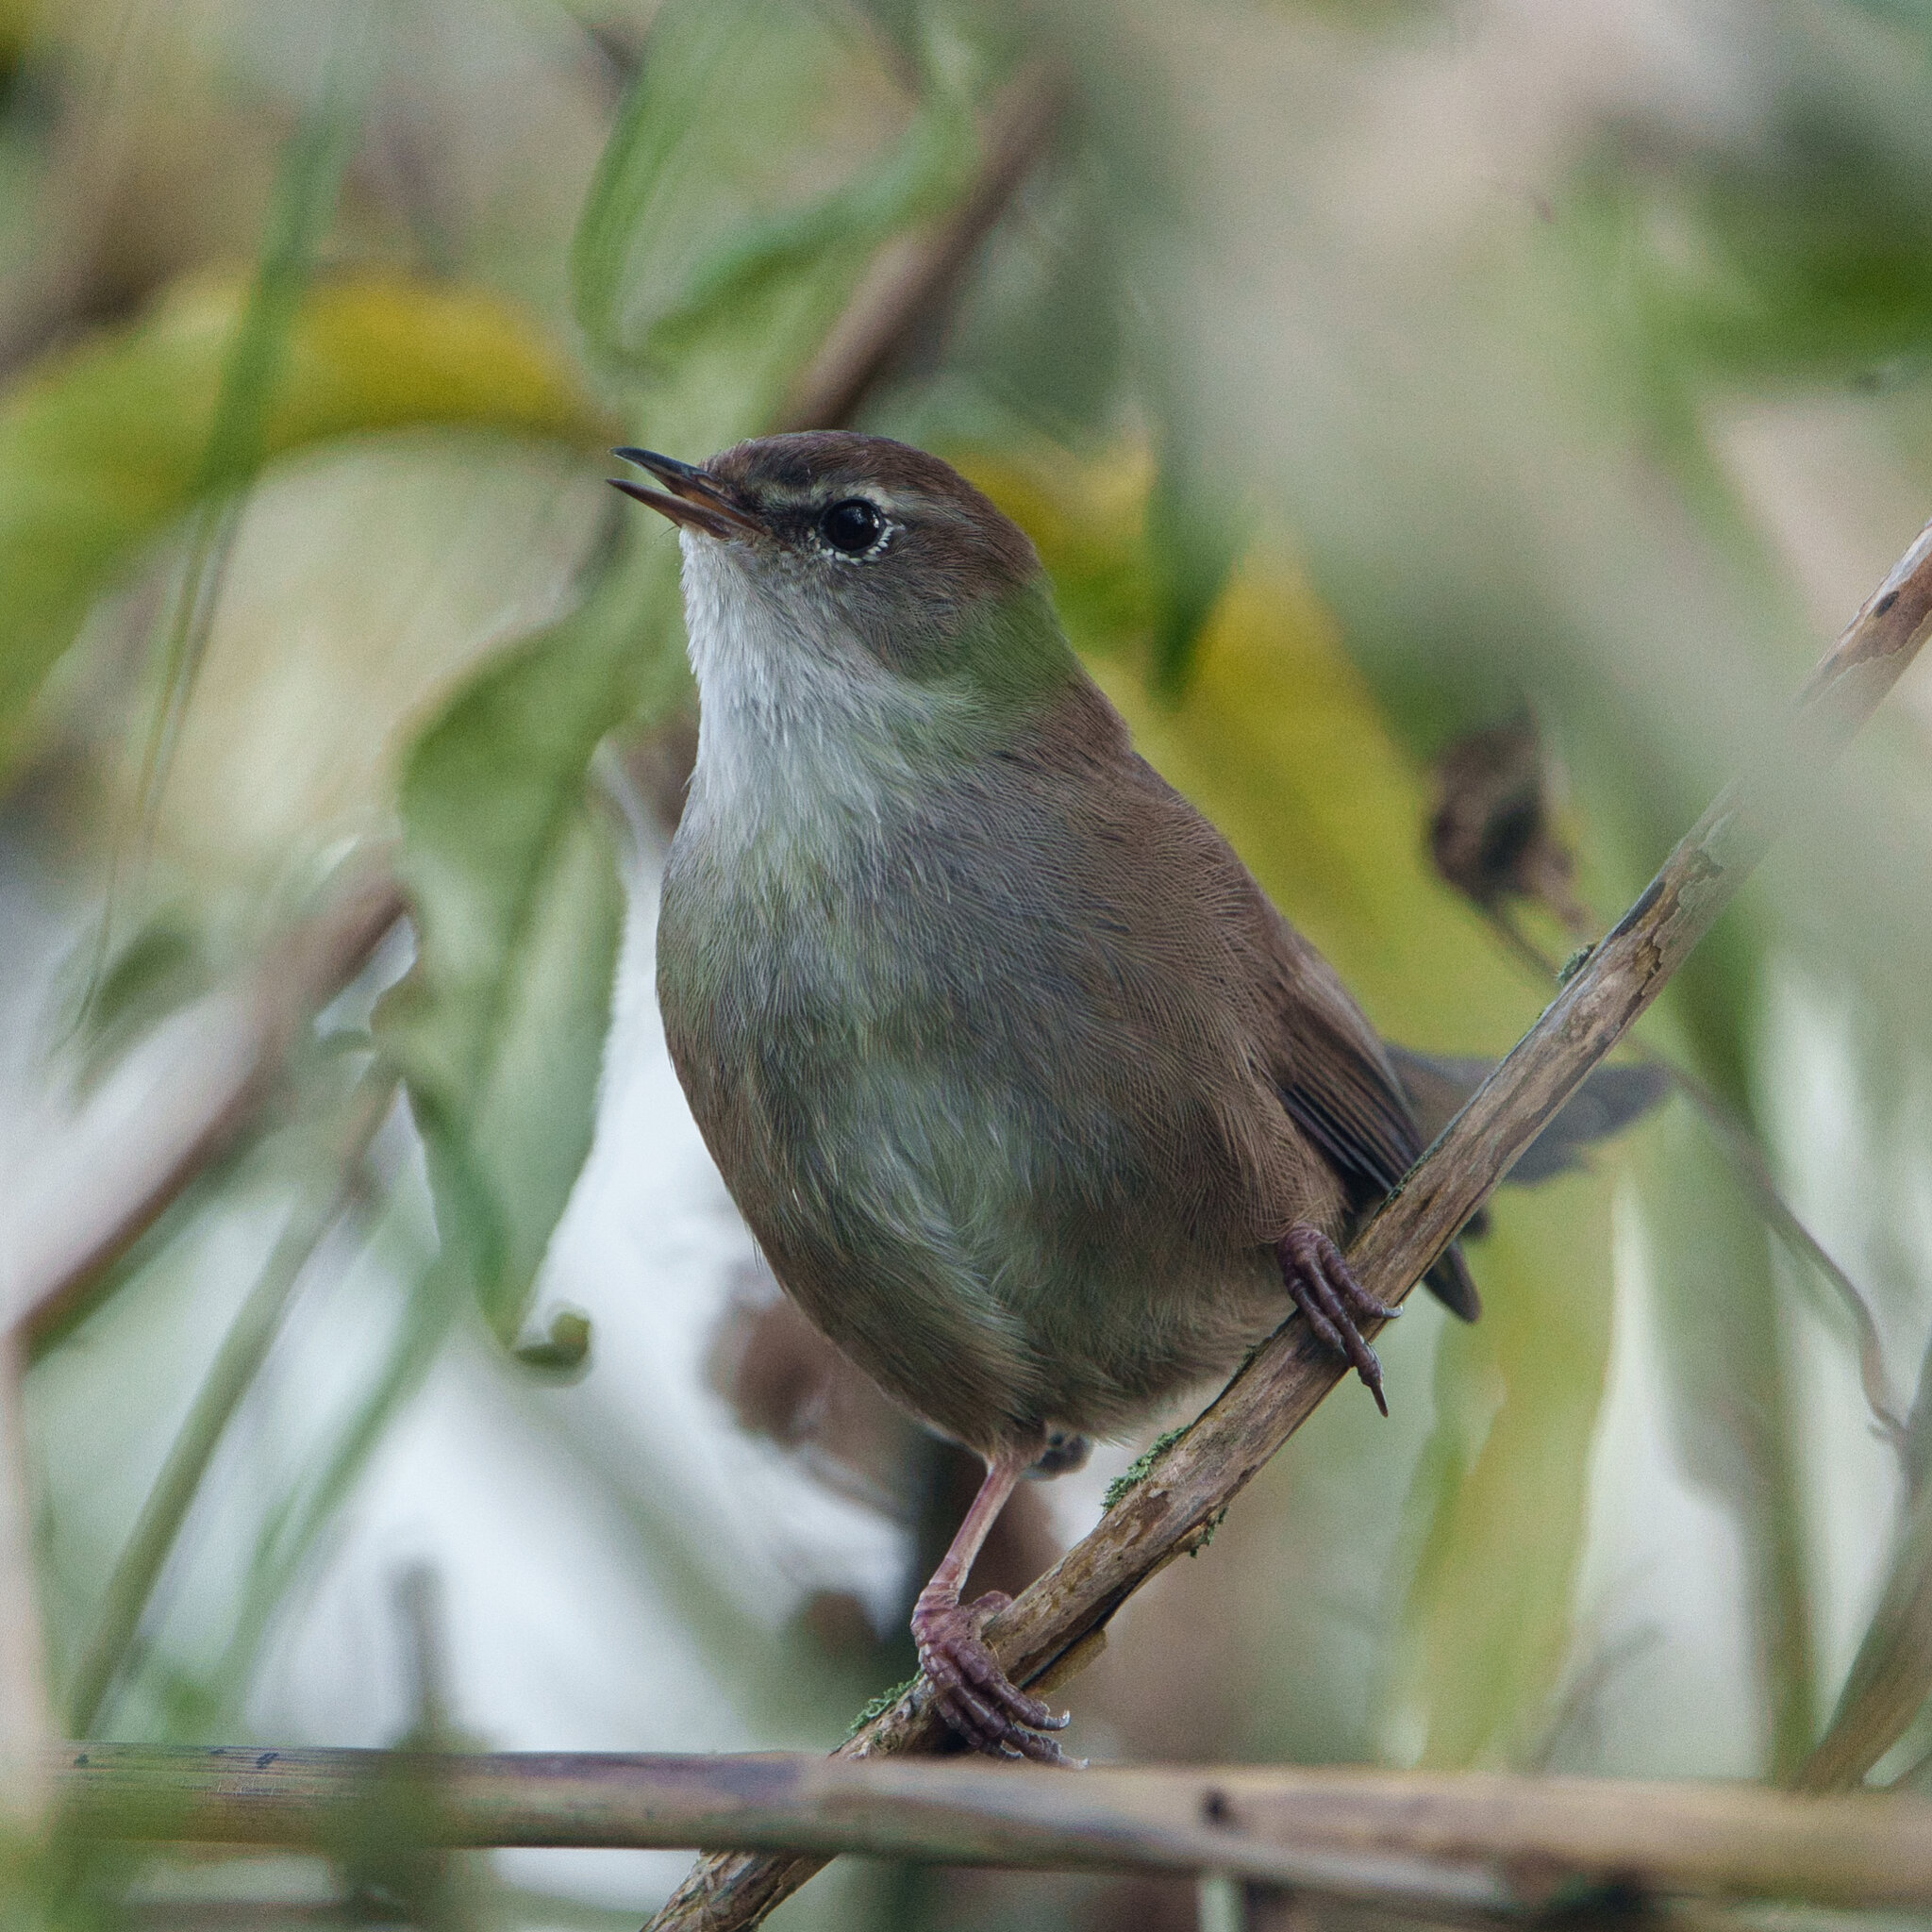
(806, 732)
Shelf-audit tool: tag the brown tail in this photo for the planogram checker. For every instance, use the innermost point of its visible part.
(1607, 1101)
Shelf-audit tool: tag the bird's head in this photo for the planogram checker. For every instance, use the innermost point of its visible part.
(829, 572)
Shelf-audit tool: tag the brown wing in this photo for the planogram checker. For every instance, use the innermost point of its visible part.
(1207, 949)
(1336, 1082)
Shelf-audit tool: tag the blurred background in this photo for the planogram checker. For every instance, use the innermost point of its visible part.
(1454, 427)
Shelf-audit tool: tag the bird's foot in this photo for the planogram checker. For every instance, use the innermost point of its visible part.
(973, 1694)
(1333, 1300)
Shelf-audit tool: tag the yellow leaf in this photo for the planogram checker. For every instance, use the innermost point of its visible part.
(102, 444)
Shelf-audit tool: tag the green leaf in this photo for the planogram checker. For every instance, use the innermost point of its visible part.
(1792, 248)
(1892, 1673)
(1499, 1497)
(500, 1026)
(697, 260)
(160, 968)
(103, 445)
(1730, 1400)
(709, 217)
(1726, 1374)
(1040, 331)
(1196, 534)
(367, 582)
(287, 1534)
(307, 180)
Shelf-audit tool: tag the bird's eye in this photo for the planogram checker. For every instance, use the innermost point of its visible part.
(853, 527)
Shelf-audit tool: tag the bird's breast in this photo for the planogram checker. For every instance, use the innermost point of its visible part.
(940, 1077)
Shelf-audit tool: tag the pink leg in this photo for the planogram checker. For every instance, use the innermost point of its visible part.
(972, 1692)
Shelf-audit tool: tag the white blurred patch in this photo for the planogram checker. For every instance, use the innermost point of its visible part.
(1863, 1186)
(1660, 1683)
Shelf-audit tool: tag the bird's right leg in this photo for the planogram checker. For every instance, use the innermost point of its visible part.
(1333, 1300)
(973, 1694)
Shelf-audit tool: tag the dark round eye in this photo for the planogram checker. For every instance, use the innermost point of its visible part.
(853, 527)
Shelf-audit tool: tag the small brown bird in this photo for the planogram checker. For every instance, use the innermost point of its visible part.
(1037, 1106)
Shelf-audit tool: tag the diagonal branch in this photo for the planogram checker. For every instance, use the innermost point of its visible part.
(1051, 1630)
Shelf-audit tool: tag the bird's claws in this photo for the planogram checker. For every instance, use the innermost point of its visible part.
(973, 1694)
(1333, 1300)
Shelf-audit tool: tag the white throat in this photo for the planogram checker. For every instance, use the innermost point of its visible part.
(796, 742)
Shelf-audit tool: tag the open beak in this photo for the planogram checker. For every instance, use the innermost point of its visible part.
(688, 497)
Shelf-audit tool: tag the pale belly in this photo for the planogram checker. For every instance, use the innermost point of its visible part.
(953, 1168)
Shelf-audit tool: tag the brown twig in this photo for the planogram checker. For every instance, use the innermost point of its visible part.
(913, 279)
(224, 1074)
(1467, 1839)
(1189, 1483)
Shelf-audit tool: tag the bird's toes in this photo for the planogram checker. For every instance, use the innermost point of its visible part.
(975, 1695)
(1357, 1299)
(984, 1728)
(1030, 1744)
(1333, 1302)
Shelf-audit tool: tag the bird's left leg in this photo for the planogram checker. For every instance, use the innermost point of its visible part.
(972, 1692)
(1333, 1300)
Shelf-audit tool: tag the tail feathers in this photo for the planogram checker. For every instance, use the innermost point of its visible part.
(1449, 1282)
(1607, 1101)
(1606, 1104)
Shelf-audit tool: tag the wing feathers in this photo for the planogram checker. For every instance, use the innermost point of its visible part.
(1338, 1086)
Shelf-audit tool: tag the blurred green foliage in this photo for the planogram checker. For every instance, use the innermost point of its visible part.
(104, 444)
(741, 194)
(500, 1025)
(1326, 472)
